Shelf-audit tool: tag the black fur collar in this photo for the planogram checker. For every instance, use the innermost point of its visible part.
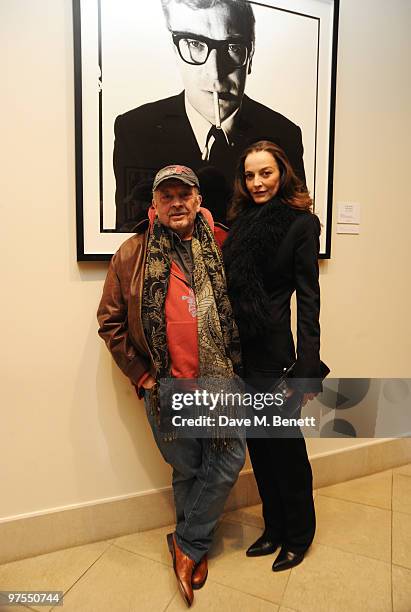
(251, 248)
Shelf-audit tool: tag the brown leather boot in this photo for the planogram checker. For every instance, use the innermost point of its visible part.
(183, 569)
(200, 574)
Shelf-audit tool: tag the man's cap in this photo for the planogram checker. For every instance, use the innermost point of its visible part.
(181, 173)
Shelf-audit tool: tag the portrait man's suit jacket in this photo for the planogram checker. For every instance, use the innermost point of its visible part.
(159, 133)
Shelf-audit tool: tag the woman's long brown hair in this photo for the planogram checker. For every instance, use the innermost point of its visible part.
(292, 190)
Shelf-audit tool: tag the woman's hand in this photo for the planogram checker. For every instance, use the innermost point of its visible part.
(149, 382)
(307, 397)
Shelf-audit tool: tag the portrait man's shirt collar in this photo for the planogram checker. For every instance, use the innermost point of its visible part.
(201, 128)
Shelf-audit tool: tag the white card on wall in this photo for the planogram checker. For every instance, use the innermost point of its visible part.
(348, 228)
(348, 212)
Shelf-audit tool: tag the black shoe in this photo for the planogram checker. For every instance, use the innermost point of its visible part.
(286, 560)
(265, 545)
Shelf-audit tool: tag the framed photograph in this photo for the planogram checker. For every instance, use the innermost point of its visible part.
(157, 84)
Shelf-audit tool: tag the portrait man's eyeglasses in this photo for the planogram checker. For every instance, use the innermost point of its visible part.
(194, 49)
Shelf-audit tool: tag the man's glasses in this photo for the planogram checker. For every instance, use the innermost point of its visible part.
(194, 49)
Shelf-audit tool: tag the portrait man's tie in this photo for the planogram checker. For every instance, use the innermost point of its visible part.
(219, 147)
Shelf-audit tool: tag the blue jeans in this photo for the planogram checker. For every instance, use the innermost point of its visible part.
(202, 480)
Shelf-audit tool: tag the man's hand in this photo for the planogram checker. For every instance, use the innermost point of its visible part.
(149, 382)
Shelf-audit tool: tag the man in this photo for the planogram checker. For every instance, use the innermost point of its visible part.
(164, 314)
(211, 121)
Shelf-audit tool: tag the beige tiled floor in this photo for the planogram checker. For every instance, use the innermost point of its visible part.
(360, 561)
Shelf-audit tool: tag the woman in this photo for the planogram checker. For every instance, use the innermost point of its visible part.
(272, 250)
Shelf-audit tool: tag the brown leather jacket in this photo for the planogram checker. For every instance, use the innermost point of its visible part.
(119, 313)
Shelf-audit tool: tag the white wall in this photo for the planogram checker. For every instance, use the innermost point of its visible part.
(366, 290)
(72, 429)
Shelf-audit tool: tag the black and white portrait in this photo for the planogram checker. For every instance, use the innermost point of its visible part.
(194, 82)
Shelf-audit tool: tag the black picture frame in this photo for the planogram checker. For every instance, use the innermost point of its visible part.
(97, 240)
